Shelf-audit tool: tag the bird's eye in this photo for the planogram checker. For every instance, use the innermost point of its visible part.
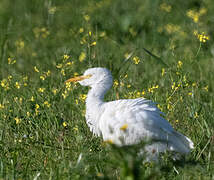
(87, 76)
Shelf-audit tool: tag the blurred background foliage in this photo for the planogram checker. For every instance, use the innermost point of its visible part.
(47, 29)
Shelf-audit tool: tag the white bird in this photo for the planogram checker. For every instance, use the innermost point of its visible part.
(128, 121)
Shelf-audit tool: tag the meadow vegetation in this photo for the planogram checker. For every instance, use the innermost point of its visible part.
(161, 50)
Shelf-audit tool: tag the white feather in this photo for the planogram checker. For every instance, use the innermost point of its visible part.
(142, 119)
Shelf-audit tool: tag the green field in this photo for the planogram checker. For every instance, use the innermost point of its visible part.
(162, 50)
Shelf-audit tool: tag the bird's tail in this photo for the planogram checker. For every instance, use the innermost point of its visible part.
(183, 144)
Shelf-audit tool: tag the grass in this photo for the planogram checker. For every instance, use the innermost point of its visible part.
(160, 50)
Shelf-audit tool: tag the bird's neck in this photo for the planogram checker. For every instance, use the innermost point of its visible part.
(94, 102)
(96, 95)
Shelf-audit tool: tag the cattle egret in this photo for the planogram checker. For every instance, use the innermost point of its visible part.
(128, 121)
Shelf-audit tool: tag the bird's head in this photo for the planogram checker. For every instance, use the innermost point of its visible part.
(94, 77)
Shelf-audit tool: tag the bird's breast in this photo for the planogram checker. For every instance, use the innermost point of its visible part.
(92, 116)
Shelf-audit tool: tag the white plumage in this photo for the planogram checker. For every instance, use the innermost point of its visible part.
(128, 121)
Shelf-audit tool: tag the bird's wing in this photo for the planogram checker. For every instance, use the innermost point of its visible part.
(134, 119)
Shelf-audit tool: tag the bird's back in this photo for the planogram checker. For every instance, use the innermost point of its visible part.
(129, 121)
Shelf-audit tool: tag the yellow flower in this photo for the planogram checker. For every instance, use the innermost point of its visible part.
(66, 57)
(32, 98)
(169, 106)
(76, 74)
(3, 82)
(93, 43)
(173, 85)
(36, 109)
(82, 56)
(36, 112)
(9, 77)
(136, 59)
(17, 85)
(184, 78)
(86, 17)
(54, 91)
(37, 106)
(25, 78)
(59, 66)
(194, 84)
(69, 63)
(41, 90)
(203, 38)
(17, 120)
(20, 44)
(42, 77)
(48, 73)
(83, 97)
(63, 72)
(64, 124)
(162, 72)
(81, 30)
(165, 7)
(179, 65)
(68, 85)
(36, 32)
(190, 93)
(44, 32)
(103, 34)
(10, 61)
(76, 101)
(202, 11)
(1, 106)
(36, 69)
(127, 55)
(89, 33)
(138, 94)
(20, 100)
(65, 94)
(196, 115)
(150, 90)
(159, 107)
(47, 104)
(172, 28)
(193, 15)
(75, 128)
(124, 127)
(116, 83)
(28, 114)
(205, 88)
(83, 40)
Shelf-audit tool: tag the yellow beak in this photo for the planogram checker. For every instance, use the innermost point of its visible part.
(79, 78)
